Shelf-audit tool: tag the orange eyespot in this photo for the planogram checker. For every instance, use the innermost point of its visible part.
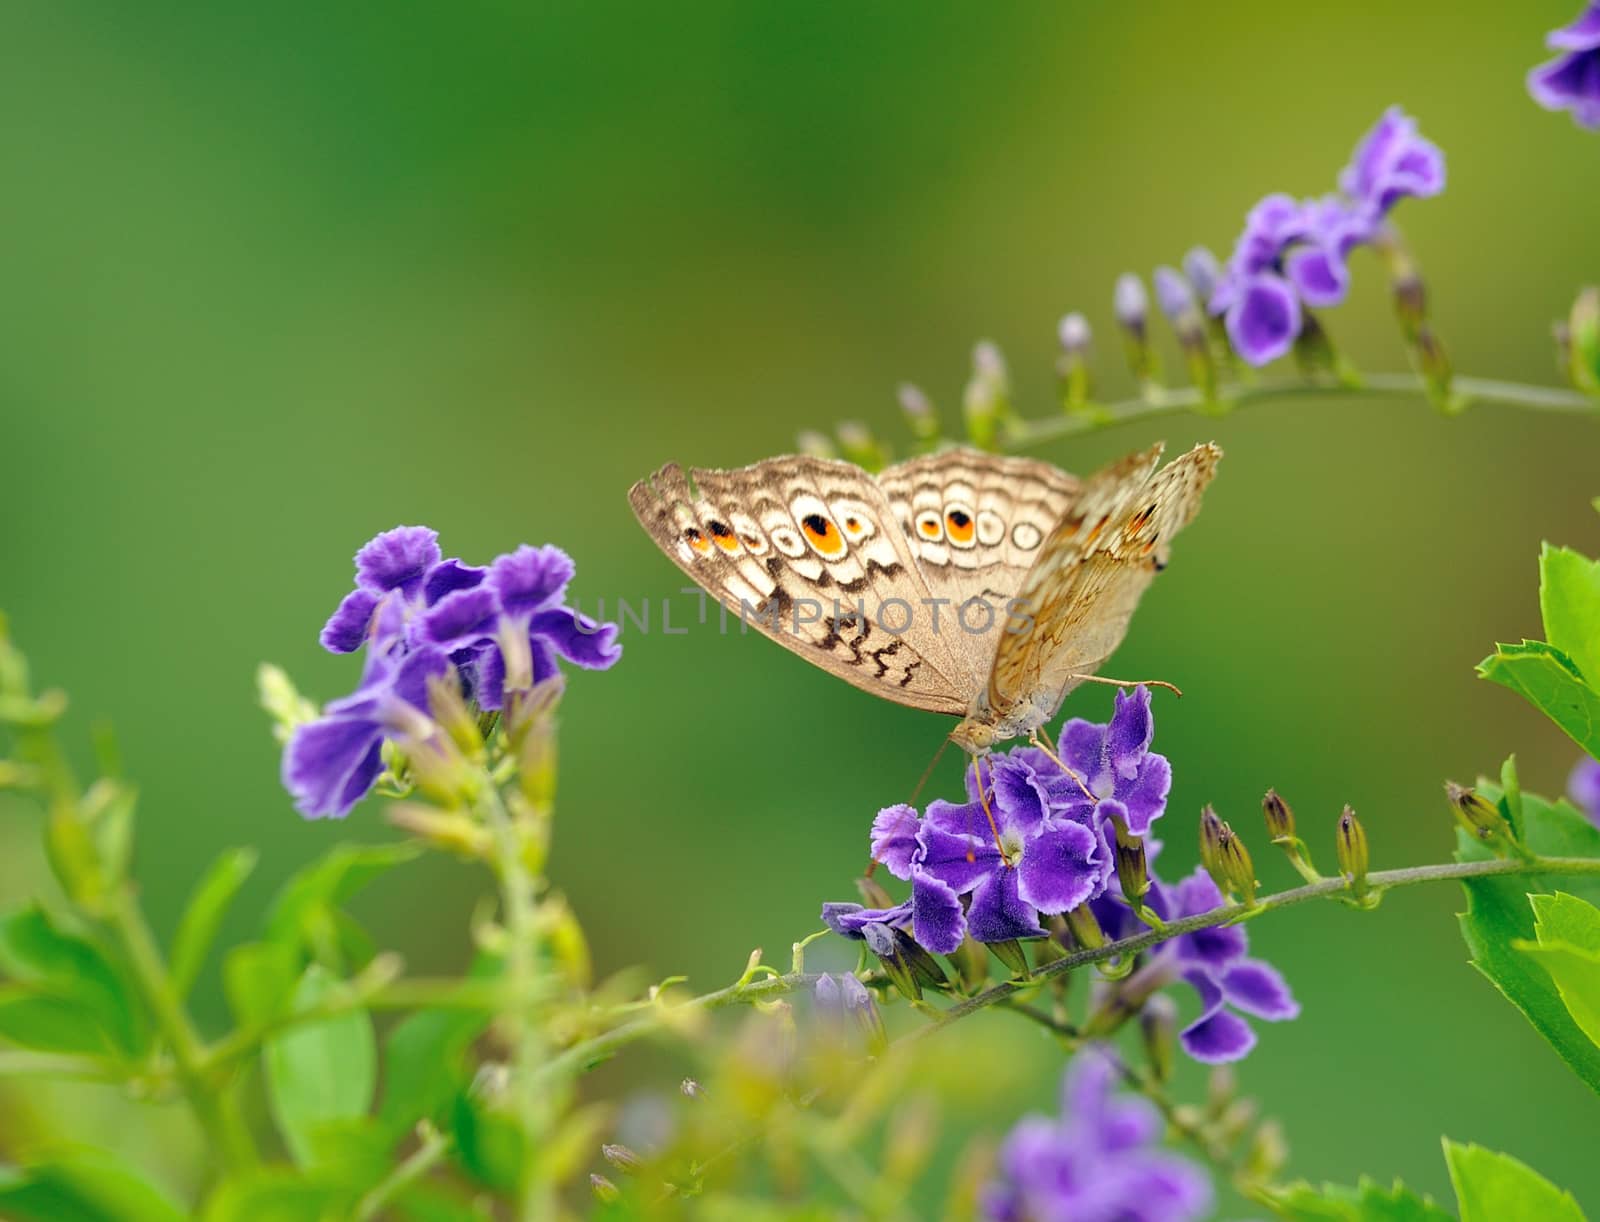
(823, 534)
(724, 536)
(959, 525)
(930, 525)
(697, 541)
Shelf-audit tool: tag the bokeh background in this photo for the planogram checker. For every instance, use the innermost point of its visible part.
(275, 278)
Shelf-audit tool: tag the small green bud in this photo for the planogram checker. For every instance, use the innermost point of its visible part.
(1279, 816)
(1353, 855)
(1131, 305)
(919, 415)
(1072, 367)
(1158, 1028)
(622, 1158)
(1133, 870)
(1211, 829)
(872, 893)
(1583, 331)
(277, 695)
(1483, 820)
(987, 399)
(1268, 1153)
(1086, 931)
(604, 1190)
(449, 709)
(1238, 867)
(971, 963)
(1011, 953)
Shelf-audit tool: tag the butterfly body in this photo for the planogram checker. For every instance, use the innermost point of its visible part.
(977, 585)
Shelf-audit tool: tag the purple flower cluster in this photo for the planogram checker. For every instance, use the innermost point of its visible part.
(419, 615)
(1054, 850)
(1583, 788)
(1096, 1162)
(1294, 253)
(1571, 81)
(1215, 962)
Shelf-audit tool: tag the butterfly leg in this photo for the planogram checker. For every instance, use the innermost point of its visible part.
(1038, 739)
(1127, 682)
(983, 800)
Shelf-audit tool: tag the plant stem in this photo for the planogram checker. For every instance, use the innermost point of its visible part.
(215, 1107)
(584, 1055)
(1179, 400)
(418, 1163)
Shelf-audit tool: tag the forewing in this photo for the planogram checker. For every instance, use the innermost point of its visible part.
(1090, 575)
(976, 523)
(807, 551)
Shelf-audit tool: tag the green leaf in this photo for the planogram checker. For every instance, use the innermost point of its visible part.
(1550, 681)
(1511, 797)
(1499, 915)
(1569, 601)
(489, 1142)
(281, 1196)
(305, 911)
(1367, 1202)
(72, 970)
(319, 1073)
(1568, 946)
(51, 1024)
(1494, 1187)
(424, 1065)
(82, 1186)
(197, 929)
(258, 978)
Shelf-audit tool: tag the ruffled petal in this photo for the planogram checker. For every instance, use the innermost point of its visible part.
(397, 559)
(1129, 732)
(937, 922)
(346, 629)
(1218, 1038)
(1264, 320)
(960, 862)
(1145, 797)
(530, 579)
(330, 764)
(577, 638)
(462, 618)
(998, 914)
(1257, 988)
(894, 838)
(1318, 276)
(1060, 868)
(447, 577)
(851, 920)
(1020, 800)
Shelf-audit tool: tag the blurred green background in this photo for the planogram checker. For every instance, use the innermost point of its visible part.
(278, 277)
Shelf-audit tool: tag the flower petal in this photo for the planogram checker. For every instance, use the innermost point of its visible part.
(577, 638)
(1257, 988)
(1583, 34)
(1020, 800)
(1318, 276)
(959, 862)
(530, 578)
(937, 922)
(1264, 320)
(346, 629)
(1145, 797)
(330, 764)
(447, 577)
(397, 560)
(998, 914)
(1060, 868)
(851, 920)
(1218, 1038)
(462, 618)
(1129, 732)
(894, 838)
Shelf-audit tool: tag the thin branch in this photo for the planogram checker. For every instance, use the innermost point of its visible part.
(1186, 399)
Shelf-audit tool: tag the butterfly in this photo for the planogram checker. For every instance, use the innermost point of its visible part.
(978, 585)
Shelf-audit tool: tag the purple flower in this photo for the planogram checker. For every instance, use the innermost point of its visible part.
(1293, 253)
(1129, 301)
(844, 998)
(1097, 1162)
(1173, 293)
(1583, 787)
(523, 599)
(1213, 961)
(1571, 81)
(421, 615)
(1203, 271)
(1053, 850)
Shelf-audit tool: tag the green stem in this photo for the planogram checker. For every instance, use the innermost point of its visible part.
(585, 1055)
(214, 1106)
(418, 1163)
(1027, 433)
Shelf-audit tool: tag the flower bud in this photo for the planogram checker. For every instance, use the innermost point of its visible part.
(449, 710)
(1353, 856)
(1086, 931)
(1211, 829)
(1173, 294)
(622, 1158)
(1158, 1027)
(814, 444)
(1072, 367)
(1011, 953)
(863, 1011)
(860, 446)
(1279, 817)
(1482, 819)
(1583, 338)
(1268, 1153)
(918, 412)
(1133, 871)
(604, 1190)
(1131, 305)
(971, 963)
(453, 832)
(277, 695)
(1204, 273)
(987, 399)
(872, 893)
(1237, 866)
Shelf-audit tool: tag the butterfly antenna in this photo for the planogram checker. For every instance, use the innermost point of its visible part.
(916, 792)
(1171, 687)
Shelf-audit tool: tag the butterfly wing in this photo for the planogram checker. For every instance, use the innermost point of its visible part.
(975, 523)
(1087, 581)
(807, 551)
